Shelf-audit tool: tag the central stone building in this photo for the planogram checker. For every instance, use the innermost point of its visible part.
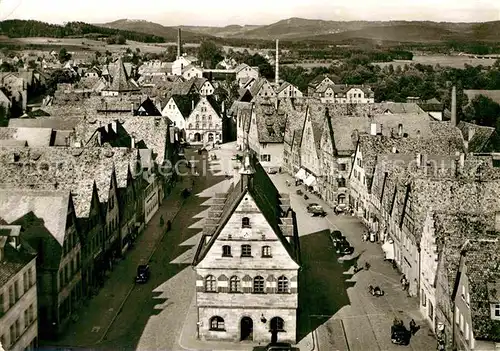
(247, 263)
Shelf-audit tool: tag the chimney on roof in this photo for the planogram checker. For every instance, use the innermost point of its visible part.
(400, 130)
(454, 106)
(420, 159)
(471, 133)
(462, 160)
(277, 77)
(179, 48)
(132, 142)
(192, 104)
(497, 221)
(373, 129)
(132, 108)
(381, 129)
(223, 107)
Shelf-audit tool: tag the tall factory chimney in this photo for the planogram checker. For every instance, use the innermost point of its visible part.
(179, 48)
(277, 78)
(454, 106)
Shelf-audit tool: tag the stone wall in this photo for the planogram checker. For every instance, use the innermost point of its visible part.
(261, 331)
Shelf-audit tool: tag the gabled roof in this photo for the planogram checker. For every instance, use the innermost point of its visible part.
(271, 120)
(186, 103)
(198, 82)
(148, 108)
(120, 81)
(267, 198)
(212, 100)
(481, 136)
(257, 86)
(317, 80)
(14, 260)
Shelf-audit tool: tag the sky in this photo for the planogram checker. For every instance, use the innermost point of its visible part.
(225, 12)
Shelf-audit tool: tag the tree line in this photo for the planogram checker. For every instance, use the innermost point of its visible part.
(31, 28)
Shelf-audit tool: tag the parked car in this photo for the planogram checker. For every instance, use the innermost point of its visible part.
(143, 274)
(310, 206)
(279, 346)
(272, 171)
(345, 248)
(336, 236)
(318, 211)
(400, 335)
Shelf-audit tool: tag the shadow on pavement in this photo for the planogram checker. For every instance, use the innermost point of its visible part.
(143, 303)
(323, 283)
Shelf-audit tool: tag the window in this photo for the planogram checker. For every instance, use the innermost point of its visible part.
(25, 281)
(12, 334)
(31, 313)
(246, 251)
(277, 324)
(26, 319)
(217, 323)
(265, 158)
(32, 277)
(234, 284)
(342, 166)
(16, 290)
(226, 251)
(341, 182)
(467, 334)
(258, 284)
(18, 329)
(431, 311)
(266, 251)
(424, 299)
(496, 310)
(210, 284)
(282, 284)
(457, 314)
(461, 323)
(245, 222)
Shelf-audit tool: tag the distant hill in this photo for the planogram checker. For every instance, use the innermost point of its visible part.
(233, 30)
(30, 28)
(399, 33)
(142, 26)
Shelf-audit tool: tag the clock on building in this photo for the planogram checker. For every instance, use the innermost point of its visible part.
(246, 233)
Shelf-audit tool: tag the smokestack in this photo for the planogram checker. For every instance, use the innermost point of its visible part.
(454, 106)
(179, 49)
(277, 78)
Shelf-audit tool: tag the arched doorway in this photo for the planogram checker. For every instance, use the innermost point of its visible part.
(277, 325)
(341, 199)
(210, 137)
(197, 137)
(246, 329)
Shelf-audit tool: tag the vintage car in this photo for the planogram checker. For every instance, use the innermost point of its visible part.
(143, 274)
(317, 211)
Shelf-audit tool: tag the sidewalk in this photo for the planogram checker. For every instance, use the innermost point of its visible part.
(98, 313)
(188, 338)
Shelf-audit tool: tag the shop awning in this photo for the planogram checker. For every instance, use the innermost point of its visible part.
(301, 174)
(388, 249)
(310, 181)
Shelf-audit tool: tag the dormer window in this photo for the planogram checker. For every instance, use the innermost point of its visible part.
(495, 311)
(245, 222)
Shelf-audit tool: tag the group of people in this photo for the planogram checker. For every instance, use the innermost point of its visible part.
(369, 236)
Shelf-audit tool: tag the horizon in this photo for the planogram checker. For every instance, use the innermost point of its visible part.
(262, 13)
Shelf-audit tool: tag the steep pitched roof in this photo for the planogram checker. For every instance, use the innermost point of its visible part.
(271, 121)
(268, 201)
(482, 258)
(32, 136)
(14, 260)
(198, 82)
(186, 103)
(120, 81)
(480, 136)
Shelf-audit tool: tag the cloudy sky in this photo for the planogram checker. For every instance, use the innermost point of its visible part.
(224, 12)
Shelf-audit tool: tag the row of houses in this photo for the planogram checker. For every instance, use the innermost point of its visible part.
(81, 184)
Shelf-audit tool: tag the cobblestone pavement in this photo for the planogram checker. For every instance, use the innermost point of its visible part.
(356, 320)
(127, 316)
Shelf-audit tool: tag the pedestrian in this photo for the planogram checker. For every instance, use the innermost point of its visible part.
(403, 282)
(413, 327)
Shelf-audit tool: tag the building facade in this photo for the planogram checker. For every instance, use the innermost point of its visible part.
(18, 293)
(246, 264)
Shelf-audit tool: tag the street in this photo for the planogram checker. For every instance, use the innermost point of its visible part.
(335, 308)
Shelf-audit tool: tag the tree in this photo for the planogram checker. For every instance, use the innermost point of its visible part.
(483, 110)
(7, 67)
(4, 116)
(64, 55)
(170, 53)
(210, 53)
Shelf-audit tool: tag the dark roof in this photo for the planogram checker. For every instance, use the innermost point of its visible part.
(14, 259)
(149, 108)
(314, 83)
(267, 199)
(186, 103)
(215, 104)
(480, 136)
